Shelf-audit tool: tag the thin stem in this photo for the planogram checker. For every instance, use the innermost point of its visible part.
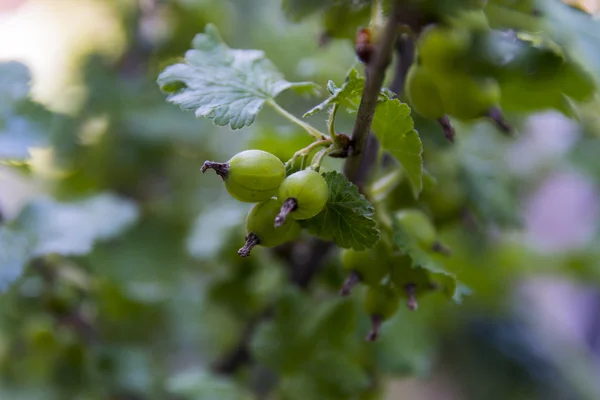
(410, 290)
(376, 321)
(376, 14)
(375, 74)
(305, 151)
(318, 159)
(251, 241)
(331, 125)
(288, 206)
(307, 127)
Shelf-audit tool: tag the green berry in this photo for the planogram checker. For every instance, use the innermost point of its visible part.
(423, 92)
(366, 266)
(469, 98)
(261, 230)
(302, 195)
(381, 303)
(250, 176)
(442, 48)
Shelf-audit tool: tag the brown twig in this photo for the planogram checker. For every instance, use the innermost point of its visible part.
(375, 74)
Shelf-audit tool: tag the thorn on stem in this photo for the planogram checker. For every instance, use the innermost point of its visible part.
(288, 206)
(251, 241)
(352, 280)
(376, 321)
(220, 168)
(412, 297)
(447, 128)
(441, 248)
(496, 115)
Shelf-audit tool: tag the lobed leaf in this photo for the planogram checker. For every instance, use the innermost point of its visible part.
(347, 216)
(225, 85)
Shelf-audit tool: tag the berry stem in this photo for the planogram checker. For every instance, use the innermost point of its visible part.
(447, 128)
(352, 280)
(306, 151)
(251, 241)
(318, 159)
(288, 206)
(331, 125)
(412, 298)
(222, 169)
(376, 321)
(496, 115)
(307, 127)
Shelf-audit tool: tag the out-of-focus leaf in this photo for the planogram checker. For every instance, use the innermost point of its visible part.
(14, 253)
(342, 20)
(225, 85)
(296, 10)
(396, 132)
(347, 216)
(73, 228)
(438, 274)
(14, 85)
(19, 135)
(212, 227)
(575, 30)
(201, 385)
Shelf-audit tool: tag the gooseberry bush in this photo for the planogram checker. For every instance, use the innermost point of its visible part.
(350, 247)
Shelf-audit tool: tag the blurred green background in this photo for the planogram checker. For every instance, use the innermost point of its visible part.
(149, 294)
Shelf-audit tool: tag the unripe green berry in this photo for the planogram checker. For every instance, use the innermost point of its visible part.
(250, 176)
(423, 92)
(442, 48)
(302, 195)
(381, 303)
(469, 98)
(261, 230)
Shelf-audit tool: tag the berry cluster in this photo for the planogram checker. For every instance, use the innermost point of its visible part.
(255, 176)
(389, 273)
(440, 83)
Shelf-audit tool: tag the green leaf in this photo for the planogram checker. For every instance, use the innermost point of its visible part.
(347, 216)
(349, 92)
(227, 86)
(429, 261)
(396, 132)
